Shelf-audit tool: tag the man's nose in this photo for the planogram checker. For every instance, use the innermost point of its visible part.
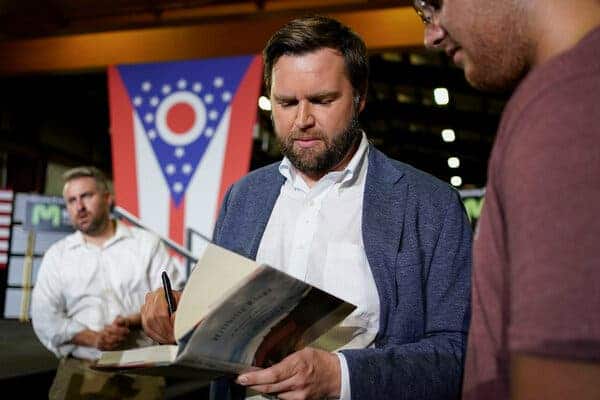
(304, 117)
(434, 35)
(79, 204)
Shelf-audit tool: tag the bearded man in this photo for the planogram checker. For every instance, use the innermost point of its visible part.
(339, 214)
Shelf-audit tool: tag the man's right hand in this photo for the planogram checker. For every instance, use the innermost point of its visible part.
(155, 316)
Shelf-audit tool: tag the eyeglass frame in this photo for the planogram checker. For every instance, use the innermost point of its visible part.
(426, 10)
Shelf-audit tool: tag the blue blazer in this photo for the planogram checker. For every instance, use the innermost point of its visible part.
(418, 243)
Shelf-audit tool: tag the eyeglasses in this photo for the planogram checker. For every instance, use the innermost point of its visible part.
(426, 9)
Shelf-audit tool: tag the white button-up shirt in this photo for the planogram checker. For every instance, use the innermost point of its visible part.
(315, 234)
(82, 286)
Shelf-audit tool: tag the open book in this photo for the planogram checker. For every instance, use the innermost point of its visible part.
(235, 315)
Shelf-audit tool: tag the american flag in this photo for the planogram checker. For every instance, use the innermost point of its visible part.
(6, 206)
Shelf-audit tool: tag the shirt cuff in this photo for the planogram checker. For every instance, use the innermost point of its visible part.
(71, 329)
(60, 343)
(345, 378)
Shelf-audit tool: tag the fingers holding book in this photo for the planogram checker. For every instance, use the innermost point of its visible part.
(308, 373)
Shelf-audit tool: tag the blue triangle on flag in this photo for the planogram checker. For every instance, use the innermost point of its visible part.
(180, 106)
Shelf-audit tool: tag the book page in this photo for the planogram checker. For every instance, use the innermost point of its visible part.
(143, 356)
(215, 274)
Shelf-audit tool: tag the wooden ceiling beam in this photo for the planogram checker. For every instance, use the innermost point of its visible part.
(381, 29)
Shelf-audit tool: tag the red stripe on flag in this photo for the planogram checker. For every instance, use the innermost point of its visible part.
(6, 199)
(236, 161)
(176, 221)
(123, 143)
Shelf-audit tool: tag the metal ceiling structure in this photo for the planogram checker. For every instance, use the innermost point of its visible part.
(39, 18)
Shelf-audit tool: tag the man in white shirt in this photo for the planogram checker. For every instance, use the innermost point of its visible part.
(90, 289)
(336, 212)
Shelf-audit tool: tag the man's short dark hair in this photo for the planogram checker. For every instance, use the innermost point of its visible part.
(88, 172)
(308, 34)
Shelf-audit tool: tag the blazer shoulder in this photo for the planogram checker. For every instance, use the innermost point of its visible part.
(265, 174)
(424, 185)
(257, 180)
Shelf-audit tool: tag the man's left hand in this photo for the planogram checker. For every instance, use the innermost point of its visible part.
(305, 374)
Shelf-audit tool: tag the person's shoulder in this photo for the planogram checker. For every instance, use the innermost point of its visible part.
(139, 237)
(258, 179)
(59, 247)
(139, 233)
(555, 108)
(569, 78)
(421, 184)
(268, 172)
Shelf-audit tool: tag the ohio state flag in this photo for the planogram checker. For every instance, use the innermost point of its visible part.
(181, 134)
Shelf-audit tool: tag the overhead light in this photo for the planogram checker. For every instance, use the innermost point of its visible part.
(404, 98)
(448, 135)
(456, 181)
(417, 59)
(392, 56)
(453, 162)
(264, 103)
(441, 96)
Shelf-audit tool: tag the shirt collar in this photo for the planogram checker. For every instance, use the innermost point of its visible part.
(352, 170)
(121, 231)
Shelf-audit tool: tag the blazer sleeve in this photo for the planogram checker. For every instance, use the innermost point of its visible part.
(431, 366)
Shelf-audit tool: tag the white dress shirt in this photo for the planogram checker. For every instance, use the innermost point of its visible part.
(82, 286)
(315, 234)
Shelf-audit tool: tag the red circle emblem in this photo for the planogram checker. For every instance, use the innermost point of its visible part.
(181, 118)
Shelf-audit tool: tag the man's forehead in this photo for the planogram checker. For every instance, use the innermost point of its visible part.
(309, 58)
(315, 90)
(79, 185)
(324, 69)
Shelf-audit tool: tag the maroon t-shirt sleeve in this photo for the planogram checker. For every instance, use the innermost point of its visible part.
(551, 186)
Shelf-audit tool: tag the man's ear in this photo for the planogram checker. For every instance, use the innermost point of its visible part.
(110, 200)
(359, 103)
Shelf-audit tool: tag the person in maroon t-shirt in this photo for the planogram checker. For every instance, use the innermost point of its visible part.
(535, 329)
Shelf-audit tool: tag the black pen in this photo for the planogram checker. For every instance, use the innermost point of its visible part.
(168, 293)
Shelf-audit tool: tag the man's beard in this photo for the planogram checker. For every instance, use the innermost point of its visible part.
(313, 162)
(96, 226)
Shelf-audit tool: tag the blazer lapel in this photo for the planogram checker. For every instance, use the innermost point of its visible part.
(265, 193)
(383, 216)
